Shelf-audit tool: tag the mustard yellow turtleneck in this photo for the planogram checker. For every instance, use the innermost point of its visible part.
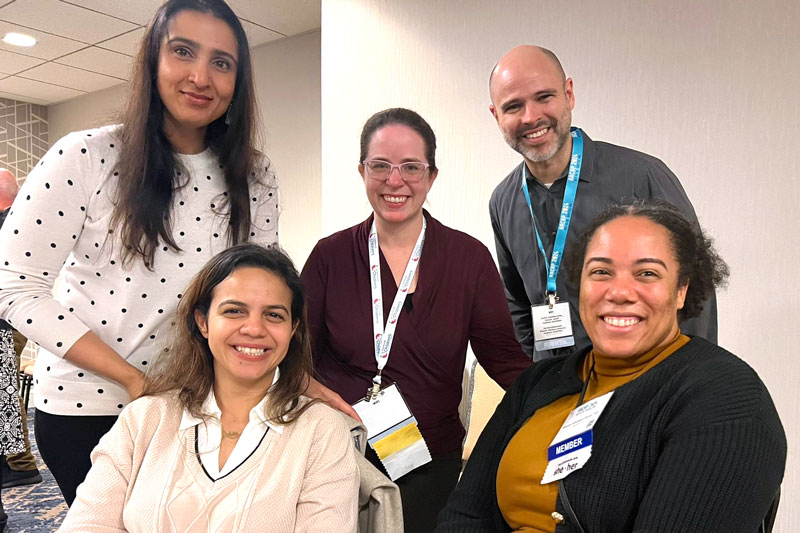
(525, 503)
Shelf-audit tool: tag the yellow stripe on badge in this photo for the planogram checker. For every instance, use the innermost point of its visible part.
(397, 441)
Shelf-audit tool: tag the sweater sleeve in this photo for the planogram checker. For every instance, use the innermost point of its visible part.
(722, 460)
(100, 499)
(329, 497)
(39, 233)
(491, 333)
(315, 277)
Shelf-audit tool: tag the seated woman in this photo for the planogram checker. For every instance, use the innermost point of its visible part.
(689, 439)
(222, 439)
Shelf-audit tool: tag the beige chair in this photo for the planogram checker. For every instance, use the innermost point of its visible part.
(481, 395)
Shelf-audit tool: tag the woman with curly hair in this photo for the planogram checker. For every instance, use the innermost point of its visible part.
(649, 430)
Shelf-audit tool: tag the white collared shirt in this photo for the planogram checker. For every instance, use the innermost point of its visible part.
(209, 434)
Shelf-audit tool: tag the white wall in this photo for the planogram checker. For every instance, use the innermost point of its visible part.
(288, 88)
(710, 87)
(89, 111)
(287, 74)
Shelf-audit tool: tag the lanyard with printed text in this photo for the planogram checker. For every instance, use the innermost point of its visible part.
(384, 337)
(570, 192)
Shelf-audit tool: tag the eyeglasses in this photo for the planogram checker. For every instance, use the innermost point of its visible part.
(410, 171)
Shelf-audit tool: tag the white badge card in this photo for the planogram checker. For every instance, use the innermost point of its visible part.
(552, 327)
(572, 445)
(393, 433)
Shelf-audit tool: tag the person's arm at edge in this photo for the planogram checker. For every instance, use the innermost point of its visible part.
(491, 333)
(28, 280)
(92, 354)
(517, 299)
(314, 276)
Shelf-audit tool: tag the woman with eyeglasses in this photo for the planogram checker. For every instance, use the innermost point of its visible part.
(126, 214)
(439, 290)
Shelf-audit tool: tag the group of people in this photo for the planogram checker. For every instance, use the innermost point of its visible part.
(163, 230)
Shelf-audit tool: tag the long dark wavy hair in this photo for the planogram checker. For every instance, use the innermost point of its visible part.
(147, 168)
(188, 367)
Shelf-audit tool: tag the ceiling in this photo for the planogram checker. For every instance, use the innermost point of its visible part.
(88, 45)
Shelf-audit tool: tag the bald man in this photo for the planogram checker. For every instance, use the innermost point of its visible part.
(532, 102)
(18, 469)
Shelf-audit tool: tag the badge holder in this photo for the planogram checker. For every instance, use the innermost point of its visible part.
(392, 430)
(552, 325)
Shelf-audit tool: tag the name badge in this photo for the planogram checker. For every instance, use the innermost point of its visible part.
(552, 327)
(572, 445)
(392, 432)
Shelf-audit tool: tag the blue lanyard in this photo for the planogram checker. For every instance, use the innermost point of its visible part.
(566, 210)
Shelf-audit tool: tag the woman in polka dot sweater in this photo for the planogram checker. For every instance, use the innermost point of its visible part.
(127, 215)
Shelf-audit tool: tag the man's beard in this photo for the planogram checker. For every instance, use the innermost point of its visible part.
(540, 153)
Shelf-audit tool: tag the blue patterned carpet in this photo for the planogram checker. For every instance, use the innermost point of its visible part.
(34, 507)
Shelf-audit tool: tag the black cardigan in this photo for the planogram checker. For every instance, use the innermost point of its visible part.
(694, 444)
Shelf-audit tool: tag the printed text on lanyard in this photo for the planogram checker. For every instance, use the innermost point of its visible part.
(385, 335)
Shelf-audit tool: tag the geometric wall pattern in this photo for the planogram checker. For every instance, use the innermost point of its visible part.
(23, 136)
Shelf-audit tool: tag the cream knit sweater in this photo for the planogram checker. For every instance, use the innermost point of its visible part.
(146, 478)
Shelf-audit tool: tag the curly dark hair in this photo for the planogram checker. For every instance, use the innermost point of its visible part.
(189, 368)
(699, 265)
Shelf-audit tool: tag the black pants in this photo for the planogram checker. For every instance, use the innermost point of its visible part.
(65, 443)
(425, 490)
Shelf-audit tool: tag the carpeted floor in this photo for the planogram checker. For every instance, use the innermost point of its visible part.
(34, 507)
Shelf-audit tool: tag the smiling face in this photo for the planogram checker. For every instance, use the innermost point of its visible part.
(532, 104)
(196, 78)
(248, 327)
(629, 295)
(395, 201)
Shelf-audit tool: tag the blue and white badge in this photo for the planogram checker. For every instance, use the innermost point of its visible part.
(572, 445)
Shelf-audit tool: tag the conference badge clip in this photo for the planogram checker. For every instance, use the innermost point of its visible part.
(392, 431)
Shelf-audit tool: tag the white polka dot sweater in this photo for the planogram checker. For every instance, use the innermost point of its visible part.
(60, 223)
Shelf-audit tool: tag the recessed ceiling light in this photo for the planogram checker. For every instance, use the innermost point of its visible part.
(19, 39)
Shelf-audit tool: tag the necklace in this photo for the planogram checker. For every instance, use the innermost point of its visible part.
(230, 434)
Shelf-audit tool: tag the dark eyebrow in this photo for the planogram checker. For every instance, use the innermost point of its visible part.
(605, 260)
(242, 304)
(608, 261)
(651, 260)
(193, 44)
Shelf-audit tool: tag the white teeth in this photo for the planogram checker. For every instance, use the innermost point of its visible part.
(250, 351)
(620, 321)
(395, 199)
(536, 134)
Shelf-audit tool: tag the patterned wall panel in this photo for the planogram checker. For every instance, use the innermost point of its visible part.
(23, 136)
